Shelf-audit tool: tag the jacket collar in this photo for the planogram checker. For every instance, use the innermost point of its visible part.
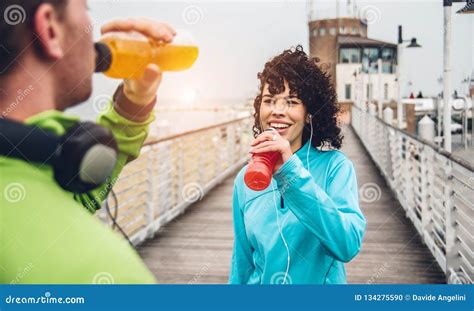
(53, 121)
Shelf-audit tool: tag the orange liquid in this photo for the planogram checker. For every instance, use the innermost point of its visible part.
(131, 56)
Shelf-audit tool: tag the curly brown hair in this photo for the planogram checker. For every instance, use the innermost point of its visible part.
(312, 86)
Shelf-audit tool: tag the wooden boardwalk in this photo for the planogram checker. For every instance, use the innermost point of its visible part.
(197, 246)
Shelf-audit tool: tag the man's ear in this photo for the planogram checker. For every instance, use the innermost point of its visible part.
(48, 29)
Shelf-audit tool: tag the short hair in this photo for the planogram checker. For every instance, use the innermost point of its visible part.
(16, 24)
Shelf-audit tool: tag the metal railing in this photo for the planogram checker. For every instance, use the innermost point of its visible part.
(435, 189)
(174, 172)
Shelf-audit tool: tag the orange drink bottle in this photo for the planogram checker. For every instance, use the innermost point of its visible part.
(125, 55)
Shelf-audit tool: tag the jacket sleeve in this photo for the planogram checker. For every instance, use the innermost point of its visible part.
(333, 216)
(241, 264)
(130, 136)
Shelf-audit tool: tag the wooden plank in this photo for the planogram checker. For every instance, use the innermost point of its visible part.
(197, 246)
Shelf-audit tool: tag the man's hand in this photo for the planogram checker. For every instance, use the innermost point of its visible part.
(142, 91)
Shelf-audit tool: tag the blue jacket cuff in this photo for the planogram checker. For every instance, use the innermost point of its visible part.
(288, 172)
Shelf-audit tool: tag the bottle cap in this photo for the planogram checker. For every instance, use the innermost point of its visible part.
(103, 57)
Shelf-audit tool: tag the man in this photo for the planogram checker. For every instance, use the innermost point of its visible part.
(47, 57)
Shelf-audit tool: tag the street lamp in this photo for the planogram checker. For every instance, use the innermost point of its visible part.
(468, 9)
(413, 44)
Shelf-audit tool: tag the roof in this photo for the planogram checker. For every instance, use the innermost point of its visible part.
(361, 41)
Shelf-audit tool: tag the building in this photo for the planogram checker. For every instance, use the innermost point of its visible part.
(471, 85)
(363, 69)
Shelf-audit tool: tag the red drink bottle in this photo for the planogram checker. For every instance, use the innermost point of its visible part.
(260, 171)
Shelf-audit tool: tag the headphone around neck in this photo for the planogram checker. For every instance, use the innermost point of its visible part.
(82, 159)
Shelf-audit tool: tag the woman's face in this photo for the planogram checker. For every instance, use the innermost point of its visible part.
(285, 113)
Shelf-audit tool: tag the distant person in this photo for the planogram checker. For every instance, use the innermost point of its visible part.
(307, 223)
(412, 96)
(420, 95)
(44, 229)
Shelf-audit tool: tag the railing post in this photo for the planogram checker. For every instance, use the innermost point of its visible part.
(425, 208)
(201, 160)
(410, 204)
(181, 167)
(150, 205)
(451, 255)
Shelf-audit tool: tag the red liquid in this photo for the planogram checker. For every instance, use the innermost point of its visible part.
(259, 173)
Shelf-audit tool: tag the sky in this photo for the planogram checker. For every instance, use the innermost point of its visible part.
(236, 38)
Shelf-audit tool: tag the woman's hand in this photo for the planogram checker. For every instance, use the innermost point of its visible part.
(271, 141)
(142, 91)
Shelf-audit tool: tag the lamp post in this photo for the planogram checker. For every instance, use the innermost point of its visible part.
(413, 44)
(468, 9)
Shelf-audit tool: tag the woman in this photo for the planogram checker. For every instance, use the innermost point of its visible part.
(307, 223)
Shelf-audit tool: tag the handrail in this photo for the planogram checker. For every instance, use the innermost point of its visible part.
(434, 188)
(201, 129)
(174, 172)
(437, 148)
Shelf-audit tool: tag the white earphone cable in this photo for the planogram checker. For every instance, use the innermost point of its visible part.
(282, 236)
(309, 144)
(276, 206)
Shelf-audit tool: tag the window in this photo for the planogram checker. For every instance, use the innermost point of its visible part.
(349, 55)
(369, 60)
(342, 30)
(369, 91)
(348, 89)
(332, 31)
(388, 60)
(385, 91)
(354, 30)
(315, 32)
(322, 31)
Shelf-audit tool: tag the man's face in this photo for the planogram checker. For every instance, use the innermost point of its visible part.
(73, 72)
